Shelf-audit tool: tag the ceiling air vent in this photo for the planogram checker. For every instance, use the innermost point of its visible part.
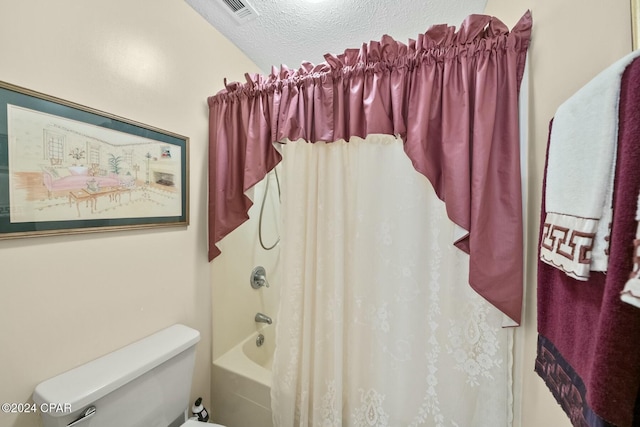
(241, 10)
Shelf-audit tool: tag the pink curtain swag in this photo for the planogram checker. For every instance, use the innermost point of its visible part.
(451, 96)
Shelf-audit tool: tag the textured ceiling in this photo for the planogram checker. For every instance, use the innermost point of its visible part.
(292, 31)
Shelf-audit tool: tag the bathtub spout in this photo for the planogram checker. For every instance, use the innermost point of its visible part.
(263, 318)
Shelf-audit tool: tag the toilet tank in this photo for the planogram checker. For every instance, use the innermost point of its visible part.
(145, 384)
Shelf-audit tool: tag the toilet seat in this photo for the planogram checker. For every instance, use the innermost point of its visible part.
(194, 423)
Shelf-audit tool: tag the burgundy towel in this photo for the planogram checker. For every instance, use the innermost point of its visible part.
(588, 339)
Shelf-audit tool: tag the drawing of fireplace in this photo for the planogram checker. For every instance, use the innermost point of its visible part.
(163, 178)
(165, 173)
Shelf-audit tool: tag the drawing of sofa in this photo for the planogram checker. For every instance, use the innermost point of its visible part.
(74, 178)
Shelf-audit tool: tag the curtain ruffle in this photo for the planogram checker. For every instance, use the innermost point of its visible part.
(451, 95)
(476, 34)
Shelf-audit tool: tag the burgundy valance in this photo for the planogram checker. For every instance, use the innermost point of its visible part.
(452, 97)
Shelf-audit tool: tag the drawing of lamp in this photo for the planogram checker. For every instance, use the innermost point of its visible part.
(148, 157)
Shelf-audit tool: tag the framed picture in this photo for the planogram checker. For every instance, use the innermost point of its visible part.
(65, 168)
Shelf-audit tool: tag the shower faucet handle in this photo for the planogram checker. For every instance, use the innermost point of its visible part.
(259, 278)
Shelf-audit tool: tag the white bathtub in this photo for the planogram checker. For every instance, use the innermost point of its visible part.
(241, 383)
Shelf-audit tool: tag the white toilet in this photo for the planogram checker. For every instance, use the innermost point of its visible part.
(145, 384)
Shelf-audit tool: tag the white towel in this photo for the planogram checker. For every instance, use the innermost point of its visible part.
(580, 174)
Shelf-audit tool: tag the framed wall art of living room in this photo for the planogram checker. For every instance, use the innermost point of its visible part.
(66, 168)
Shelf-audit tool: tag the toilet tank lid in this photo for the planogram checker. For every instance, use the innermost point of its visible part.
(89, 382)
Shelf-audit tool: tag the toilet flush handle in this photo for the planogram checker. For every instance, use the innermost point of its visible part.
(90, 411)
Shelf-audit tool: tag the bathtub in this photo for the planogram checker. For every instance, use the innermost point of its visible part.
(241, 383)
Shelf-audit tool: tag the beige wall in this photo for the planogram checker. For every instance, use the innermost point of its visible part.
(69, 299)
(572, 41)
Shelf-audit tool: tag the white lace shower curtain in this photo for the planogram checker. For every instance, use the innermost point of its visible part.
(378, 325)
